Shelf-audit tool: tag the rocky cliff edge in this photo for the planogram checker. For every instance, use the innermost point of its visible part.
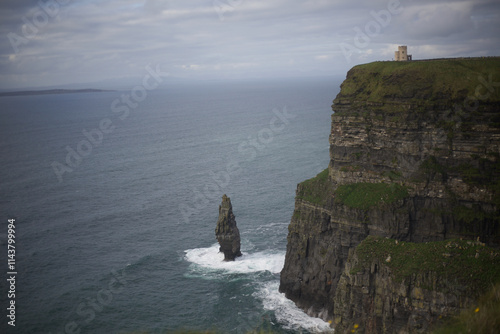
(414, 157)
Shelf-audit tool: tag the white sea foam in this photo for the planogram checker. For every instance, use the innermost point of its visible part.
(210, 258)
(209, 263)
(287, 313)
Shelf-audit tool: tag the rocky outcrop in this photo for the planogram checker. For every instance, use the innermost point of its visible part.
(227, 232)
(414, 156)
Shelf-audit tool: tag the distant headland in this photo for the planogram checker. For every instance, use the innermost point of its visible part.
(52, 91)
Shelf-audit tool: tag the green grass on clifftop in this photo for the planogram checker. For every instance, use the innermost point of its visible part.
(316, 190)
(422, 82)
(467, 263)
(366, 195)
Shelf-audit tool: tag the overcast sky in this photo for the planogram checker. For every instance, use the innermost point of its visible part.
(85, 41)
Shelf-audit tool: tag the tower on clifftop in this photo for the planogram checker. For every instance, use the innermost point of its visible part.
(402, 54)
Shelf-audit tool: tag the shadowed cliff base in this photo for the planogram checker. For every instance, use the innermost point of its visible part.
(415, 157)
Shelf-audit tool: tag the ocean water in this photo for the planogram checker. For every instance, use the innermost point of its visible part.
(122, 239)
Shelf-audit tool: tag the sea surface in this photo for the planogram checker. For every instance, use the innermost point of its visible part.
(115, 205)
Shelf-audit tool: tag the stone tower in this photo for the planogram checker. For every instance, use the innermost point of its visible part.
(402, 54)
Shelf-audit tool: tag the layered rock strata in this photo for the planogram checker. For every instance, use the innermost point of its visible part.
(227, 232)
(414, 156)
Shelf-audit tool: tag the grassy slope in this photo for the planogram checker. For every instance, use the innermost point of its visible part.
(421, 82)
(357, 195)
(367, 195)
(455, 260)
(316, 190)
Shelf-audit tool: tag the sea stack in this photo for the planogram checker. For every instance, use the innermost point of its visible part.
(227, 232)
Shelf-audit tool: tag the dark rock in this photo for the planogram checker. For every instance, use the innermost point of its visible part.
(227, 232)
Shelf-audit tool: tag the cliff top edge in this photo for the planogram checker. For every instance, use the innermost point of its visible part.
(429, 82)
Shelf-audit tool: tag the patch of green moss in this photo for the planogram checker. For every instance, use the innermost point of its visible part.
(470, 263)
(471, 174)
(396, 119)
(323, 251)
(479, 172)
(357, 155)
(299, 215)
(366, 195)
(393, 175)
(316, 190)
(355, 270)
(470, 215)
(350, 168)
(431, 166)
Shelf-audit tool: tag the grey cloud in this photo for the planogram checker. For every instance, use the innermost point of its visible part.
(437, 20)
(95, 40)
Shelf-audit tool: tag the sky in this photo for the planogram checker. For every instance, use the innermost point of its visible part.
(50, 43)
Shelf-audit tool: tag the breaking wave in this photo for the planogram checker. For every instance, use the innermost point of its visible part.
(208, 263)
(211, 260)
(287, 313)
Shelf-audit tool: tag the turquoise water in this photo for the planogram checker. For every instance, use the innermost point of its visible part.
(123, 240)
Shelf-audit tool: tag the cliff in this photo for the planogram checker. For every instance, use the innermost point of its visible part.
(415, 157)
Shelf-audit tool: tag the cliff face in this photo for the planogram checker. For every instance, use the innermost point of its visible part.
(414, 156)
